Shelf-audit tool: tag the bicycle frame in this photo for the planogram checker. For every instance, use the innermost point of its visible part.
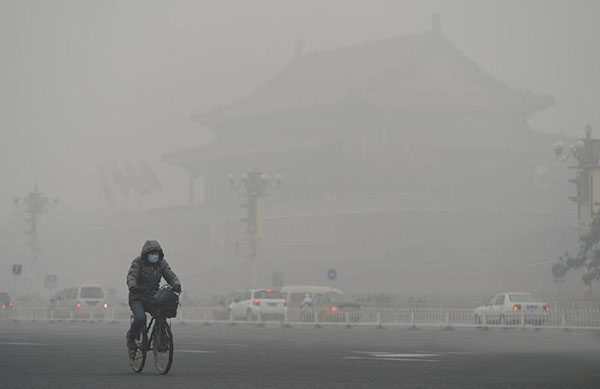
(149, 333)
(148, 328)
(157, 337)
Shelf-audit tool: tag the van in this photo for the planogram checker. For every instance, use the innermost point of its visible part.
(294, 294)
(86, 301)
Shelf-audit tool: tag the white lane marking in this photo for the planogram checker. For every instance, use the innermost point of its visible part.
(395, 359)
(447, 352)
(396, 355)
(195, 351)
(391, 356)
(236, 345)
(21, 344)
(405, 355)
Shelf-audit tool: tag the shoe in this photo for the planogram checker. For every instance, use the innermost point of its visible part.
(131, 343)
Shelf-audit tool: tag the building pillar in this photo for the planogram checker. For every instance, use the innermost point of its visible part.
(363, 146)
(191, 183)
(384, 139)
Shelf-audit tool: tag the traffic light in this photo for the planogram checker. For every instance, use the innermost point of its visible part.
(587, 182)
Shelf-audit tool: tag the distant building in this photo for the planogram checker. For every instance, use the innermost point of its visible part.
(396, 152)
(371, 118)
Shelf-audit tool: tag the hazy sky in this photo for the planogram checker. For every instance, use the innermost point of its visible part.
(85, 83)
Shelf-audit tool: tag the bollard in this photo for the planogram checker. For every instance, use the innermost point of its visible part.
(522, 320)
(259, 322)
(412, 322)
(286, 323)
(378, 321)
(347, 319)
(563, 322)
(206, 320)
(447, 326)
(485, 327)
(231, 322)
(317, 325)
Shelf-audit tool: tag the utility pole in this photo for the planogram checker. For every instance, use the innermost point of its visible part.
(586, 153)
(34, 205)
(254, 185)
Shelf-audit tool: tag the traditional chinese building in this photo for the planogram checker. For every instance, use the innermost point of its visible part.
(362, 119)
(394, 152)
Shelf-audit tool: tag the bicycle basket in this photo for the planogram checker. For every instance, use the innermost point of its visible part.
(167, 301)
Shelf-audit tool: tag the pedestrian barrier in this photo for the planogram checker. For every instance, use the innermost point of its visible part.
(443, 318)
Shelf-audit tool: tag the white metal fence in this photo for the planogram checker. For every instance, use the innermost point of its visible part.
(369, 317)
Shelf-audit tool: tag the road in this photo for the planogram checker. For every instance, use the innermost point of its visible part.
(93, 355)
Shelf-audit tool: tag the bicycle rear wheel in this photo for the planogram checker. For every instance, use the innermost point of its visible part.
(137, 356)
(162, 346)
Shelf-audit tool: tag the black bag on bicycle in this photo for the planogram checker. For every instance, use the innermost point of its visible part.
(167, 301)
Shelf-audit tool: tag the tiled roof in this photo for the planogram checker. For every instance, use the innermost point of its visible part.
(415, 72)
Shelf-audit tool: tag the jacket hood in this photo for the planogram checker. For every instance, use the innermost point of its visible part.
(149, 246)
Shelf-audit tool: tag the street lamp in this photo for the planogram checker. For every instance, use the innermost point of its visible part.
(253, 186)
(586, 152)
(34, 204)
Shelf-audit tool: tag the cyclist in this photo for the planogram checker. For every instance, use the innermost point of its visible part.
(143, 281)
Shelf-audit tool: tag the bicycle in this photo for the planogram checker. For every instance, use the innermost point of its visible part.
(160, 343)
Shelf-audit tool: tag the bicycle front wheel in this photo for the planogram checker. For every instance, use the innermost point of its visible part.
(162, 346)
(137, 356)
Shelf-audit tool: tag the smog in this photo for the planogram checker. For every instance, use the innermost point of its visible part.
(316, 166)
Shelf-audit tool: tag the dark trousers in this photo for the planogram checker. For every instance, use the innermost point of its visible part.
(139, 318)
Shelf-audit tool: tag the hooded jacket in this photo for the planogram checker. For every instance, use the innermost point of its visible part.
(146, 276)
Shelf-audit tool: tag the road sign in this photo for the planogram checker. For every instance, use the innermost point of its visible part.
(331, 274)
(51, 281)
(17, 269)
(559, 270)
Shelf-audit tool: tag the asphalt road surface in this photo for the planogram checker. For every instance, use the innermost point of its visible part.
(93, 355)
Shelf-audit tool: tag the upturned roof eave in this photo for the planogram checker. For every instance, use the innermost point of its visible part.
(522, 104)
(255, 106)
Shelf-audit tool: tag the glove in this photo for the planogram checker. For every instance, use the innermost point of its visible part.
(177, 288)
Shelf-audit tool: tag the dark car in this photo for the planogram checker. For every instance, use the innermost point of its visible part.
(335, 307)
(6, 304)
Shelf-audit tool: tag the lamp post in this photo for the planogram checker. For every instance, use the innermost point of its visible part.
(34, 204)
(586, 152)
(253, 186)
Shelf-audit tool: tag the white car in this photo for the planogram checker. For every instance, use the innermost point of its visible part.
(79, 302)
(249, 304)
(510, 308)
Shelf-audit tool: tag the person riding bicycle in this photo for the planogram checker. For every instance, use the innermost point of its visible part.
(143, 281)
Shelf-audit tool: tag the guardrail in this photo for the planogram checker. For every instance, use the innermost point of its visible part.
(446, 318)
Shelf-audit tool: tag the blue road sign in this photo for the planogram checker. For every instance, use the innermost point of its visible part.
(331, 274)
(17, 269)
(51, 281)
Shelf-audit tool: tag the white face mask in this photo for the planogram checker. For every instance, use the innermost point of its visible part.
(153, 258)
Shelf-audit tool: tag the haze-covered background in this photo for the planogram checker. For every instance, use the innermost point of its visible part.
(95, 83)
